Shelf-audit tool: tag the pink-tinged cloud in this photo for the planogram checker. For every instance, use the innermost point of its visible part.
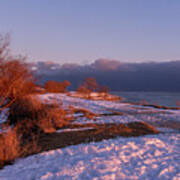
(106, 64)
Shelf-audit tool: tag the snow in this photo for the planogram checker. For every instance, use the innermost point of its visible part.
(74, 129)
(95, 95)
(145, 157)
(131, 112)
(3, 115)
(148, 157)
(3, 118)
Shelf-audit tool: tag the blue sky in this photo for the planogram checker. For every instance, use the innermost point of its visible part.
(81, 31)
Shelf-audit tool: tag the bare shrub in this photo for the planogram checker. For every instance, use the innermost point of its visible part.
(89, 85)
(56, 117)
(16, 79)
(29, 134)
(56, 87)
(27, 107)
(13, 143)
(39, 116)
(4, 44)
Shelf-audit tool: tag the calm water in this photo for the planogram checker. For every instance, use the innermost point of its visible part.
(160, 98)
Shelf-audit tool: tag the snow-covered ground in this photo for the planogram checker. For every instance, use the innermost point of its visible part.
(149, 157)
(131, 112)
(146, 157)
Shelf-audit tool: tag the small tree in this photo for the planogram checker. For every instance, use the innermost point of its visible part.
(89, 85)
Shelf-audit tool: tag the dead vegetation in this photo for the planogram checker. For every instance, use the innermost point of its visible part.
(9, 147)
(12, 148)
(28, 117)
(16, 79)
(56, 87)
(97, 132)
(91, 115)
(90, 84)
(45, 116)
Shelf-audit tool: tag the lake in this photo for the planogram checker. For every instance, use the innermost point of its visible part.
(159, 98)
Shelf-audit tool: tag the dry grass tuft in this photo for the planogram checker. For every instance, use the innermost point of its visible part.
(45, 117)
(14, 145)
(9, 147)
(24, 108)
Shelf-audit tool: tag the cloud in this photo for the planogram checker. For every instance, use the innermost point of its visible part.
(105, 64)
(161, 76)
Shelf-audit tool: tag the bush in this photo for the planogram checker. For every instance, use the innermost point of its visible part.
(9, 147)
(39, 116)
(56, 87)
(13, 144)
(16, 79)
(90, 85)
(26, 107)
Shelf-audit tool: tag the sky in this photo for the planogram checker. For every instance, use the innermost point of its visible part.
(81, 31)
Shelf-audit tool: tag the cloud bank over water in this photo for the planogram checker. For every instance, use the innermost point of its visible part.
(119, 76)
